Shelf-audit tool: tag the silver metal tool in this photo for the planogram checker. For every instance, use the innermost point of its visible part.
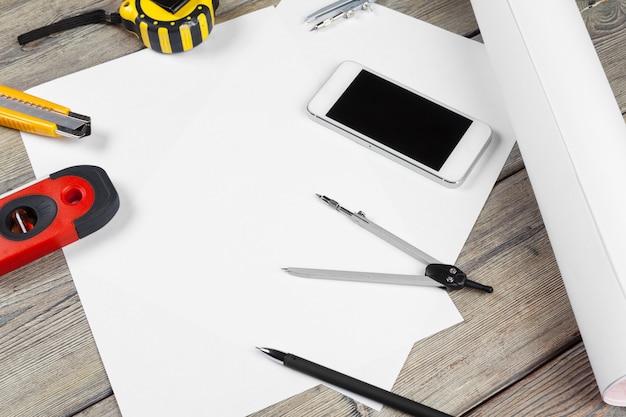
(342, 8)
(437, 274)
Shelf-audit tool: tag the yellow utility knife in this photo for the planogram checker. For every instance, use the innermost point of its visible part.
(22, 111)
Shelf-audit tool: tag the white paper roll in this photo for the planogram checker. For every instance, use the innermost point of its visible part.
(573, 140)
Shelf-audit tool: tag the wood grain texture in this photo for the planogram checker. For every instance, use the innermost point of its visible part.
(516, 328)
(49, 360)
(455, 16)
(606, 24)
(563, 387)
(518, 352)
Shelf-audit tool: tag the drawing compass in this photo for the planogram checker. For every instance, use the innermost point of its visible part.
(342, 8)
(437, 274)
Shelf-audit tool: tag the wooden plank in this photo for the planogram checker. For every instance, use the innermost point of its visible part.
(528, 316)
(606, 24)
(50, 365)
(105, 408)
(456, 16)
(562, 387)
(513, 164)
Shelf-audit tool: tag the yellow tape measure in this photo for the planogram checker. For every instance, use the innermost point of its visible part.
(165, 26)
(169, 26)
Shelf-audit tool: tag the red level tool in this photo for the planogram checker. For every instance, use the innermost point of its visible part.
(54, 212)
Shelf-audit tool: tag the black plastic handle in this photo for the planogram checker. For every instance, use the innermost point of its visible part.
(106, 199)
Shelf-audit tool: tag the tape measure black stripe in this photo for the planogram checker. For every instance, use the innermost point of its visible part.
(192, 24)
(173, 42)
(197, 33)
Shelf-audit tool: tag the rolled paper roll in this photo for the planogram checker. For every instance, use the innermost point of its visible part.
(573, 141)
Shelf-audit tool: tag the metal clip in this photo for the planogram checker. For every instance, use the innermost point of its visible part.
(342, 8)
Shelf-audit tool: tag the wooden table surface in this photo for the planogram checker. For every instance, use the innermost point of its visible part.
(517, 353)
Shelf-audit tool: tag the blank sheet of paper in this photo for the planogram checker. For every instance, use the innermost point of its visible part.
(217, 166)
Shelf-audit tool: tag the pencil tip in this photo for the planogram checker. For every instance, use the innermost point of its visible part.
(276, 354)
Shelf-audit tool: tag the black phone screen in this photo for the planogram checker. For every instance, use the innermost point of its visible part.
(403, 121)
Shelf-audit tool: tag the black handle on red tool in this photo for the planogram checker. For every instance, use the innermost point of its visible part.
(54, 212)
(106, 200)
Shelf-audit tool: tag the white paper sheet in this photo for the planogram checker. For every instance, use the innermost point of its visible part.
(217, 166)
(573, 140)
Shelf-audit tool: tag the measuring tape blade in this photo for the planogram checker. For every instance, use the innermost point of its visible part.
(54, 212)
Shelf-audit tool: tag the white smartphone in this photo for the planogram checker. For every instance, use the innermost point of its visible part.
(426, 136)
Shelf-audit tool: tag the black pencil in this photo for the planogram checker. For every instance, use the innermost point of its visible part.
(353, 385)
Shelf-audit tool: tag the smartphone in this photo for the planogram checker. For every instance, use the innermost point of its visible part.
(401, 124)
